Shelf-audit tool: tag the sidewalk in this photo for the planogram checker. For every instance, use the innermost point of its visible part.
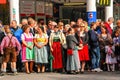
(58, 76)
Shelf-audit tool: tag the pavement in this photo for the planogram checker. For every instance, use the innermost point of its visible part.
(58, 76)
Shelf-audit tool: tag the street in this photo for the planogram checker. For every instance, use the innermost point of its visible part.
(58, 76)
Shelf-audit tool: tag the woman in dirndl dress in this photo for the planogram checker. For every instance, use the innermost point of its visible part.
(73, 62)
(27, 48)
(82, 37)
(40, 50)
(55, 46)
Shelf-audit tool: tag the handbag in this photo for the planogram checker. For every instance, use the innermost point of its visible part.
(69, 51)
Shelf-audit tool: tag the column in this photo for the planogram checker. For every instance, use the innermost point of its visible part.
(14, 10)
(91, 11)
(109, 11)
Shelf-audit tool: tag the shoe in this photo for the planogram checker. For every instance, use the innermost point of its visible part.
(27, 72)
(3, 73)
(98, 70)
(77, 72)
(70, 72)
(82, 72)
(15, 73)
(93, 70)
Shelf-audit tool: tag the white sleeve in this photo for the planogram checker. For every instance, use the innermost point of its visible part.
(35, 36)
(23, 37)
(46, 36)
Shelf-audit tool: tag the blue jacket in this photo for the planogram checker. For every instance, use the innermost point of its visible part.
(93, 39)
(17, 33)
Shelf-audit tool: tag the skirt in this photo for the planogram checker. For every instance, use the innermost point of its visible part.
(110, 59)
(84, 54)
(27, 54)
(41, 55)
(73, 62)
(57, 54)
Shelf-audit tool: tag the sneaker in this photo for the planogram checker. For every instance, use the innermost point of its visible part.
(98, 70)
(93, 70)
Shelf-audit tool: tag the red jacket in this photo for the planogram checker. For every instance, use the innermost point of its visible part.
(109, 29)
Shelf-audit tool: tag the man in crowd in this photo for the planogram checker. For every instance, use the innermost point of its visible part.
(17, 31)
(108, 25)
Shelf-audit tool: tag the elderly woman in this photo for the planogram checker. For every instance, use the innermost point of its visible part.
(27, 48)
(10, 48)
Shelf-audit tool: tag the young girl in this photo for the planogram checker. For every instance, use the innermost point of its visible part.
(117, 47)
(110, 57)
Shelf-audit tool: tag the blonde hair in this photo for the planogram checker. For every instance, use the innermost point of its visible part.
(7, 29)
(60, 24)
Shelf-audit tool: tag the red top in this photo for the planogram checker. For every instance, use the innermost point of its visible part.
(109, 29)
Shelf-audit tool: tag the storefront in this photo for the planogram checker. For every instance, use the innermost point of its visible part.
(52, 9)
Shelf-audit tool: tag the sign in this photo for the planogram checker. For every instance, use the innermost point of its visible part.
(49, 9)
(2, 1)
(40, 8)
(104, 2)
(68, 1)
(14, 13)
(91, 17)
(27, 7)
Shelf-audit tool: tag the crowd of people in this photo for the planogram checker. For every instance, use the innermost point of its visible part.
(71, 48)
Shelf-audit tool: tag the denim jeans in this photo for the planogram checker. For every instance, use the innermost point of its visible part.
(95, 57)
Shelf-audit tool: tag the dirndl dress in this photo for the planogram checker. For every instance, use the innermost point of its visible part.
(27, 54)
(84, 53)
(41, 55)
(57, 53)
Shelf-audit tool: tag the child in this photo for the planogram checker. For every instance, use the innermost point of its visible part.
(9, 51)
(117, 47)
(110, 57)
